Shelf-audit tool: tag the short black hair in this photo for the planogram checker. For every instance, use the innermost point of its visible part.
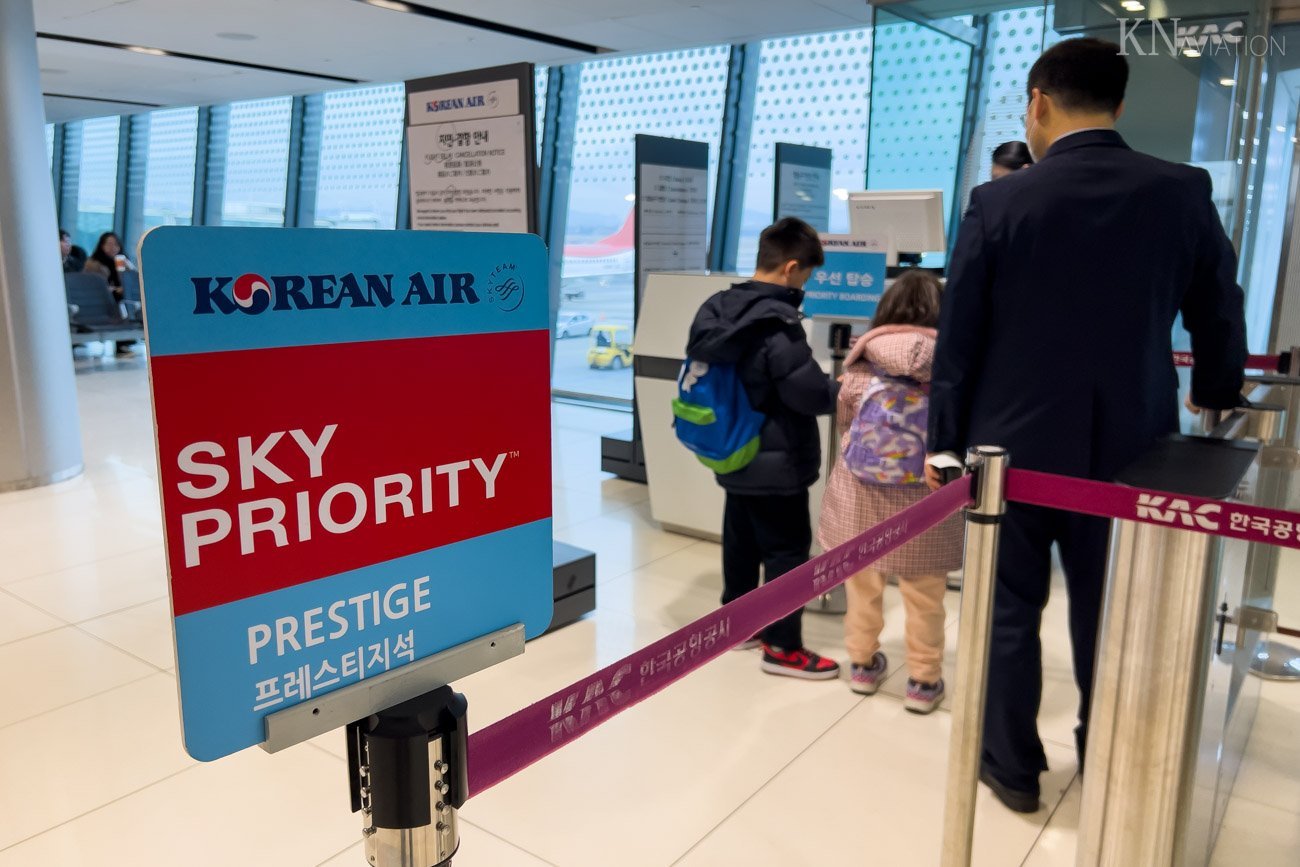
(789, 238)
(63, 233)
(1081, 75)
(1012, 155)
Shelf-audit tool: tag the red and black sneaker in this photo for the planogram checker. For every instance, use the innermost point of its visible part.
(801, 662)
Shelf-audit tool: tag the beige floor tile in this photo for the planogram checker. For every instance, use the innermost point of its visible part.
(876, 781)
(98, 588)
(76, 759)
(1057, 845)
(1257, 835)
(56, 668)
(478, 848)
(144, 631)
(19, 620)
(250, 808)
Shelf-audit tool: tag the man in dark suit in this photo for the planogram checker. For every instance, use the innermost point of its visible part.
(1055, 343)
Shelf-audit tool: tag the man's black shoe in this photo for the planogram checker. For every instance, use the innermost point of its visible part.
(1017, 801)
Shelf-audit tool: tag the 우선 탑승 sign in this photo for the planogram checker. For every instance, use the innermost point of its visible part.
(354, 456)
(849, 285)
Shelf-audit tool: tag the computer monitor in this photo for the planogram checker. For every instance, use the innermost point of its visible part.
(911, 219)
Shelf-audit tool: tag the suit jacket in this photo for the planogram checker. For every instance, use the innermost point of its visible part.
(1055, 340)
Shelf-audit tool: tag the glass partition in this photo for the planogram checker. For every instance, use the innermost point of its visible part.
(360, 157)
(90, 178)
(256, 161)
(677, 94)
(812, 90)
(919, 79)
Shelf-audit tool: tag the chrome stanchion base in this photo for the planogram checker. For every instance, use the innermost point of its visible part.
(1276, 661)
(835, 602)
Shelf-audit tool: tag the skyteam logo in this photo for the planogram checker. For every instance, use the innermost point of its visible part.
(506, 288)
(254, 294)
(251, 291)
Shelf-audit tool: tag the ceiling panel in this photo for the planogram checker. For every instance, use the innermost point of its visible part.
(348, 39)
(110, 74)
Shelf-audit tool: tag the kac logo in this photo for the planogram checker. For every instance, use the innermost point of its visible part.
(506, 288)
(1152, 508)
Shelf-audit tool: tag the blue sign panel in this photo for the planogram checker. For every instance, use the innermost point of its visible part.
(850, 284)
(353, 436)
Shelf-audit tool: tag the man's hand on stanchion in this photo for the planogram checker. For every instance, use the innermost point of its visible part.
(942, 468)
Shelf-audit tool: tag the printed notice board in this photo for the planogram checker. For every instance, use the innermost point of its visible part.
(353, 434)
(803, 184)
(851, 282)
(470, 148)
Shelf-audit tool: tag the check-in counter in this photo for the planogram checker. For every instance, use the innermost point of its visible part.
(684, 496)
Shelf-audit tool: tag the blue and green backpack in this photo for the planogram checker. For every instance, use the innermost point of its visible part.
(714, 418)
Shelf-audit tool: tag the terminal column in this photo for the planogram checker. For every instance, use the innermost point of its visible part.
(40, 433)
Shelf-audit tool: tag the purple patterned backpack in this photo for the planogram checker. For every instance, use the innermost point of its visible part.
(886, 443)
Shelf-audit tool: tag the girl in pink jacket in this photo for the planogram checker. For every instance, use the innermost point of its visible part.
(881, 416)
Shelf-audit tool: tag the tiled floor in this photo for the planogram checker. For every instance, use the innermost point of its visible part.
(727, 767)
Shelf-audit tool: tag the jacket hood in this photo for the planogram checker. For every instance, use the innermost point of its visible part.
(897, 350)
(726, 322)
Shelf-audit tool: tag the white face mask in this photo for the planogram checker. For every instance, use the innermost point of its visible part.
(1029, 141)
(1030, 125)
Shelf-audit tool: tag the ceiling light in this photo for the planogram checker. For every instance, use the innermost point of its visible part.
(1191, 52)
(630, 197)
(1281, 128)
(841, 194)
(237, 37)
(1227, 82)
(395, 5)
(140, 49)
(1133, 5)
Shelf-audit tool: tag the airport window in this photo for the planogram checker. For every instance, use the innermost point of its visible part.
(541, 78)
(90, 167)
(812, 90)
(257, 162)
(360, 157)
(677, 94)
(1016, 38)
(49, 145)
(918, 94)
(169, 167)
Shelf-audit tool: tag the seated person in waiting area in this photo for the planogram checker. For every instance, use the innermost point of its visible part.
(751, 335)
(74, 258)
(109, 262)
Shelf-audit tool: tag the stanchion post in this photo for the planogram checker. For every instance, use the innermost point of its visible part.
(408, 776)
(988, 464)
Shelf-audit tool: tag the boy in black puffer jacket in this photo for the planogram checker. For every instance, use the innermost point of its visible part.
(756, 326)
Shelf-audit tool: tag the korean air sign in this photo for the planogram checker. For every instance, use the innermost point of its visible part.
(467, 102)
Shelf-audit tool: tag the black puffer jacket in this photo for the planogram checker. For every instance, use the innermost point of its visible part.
(756, 327)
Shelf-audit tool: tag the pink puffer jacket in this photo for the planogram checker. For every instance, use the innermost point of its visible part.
(898, 350)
